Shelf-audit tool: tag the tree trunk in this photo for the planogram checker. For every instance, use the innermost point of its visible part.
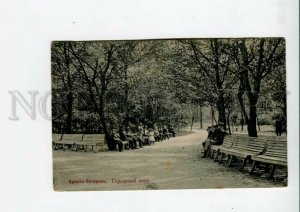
(244, 116)
(212, 115)
(101, 93)
(257, 124)
(228, 122)
(201, 117)
(126, 93)
(221, 111)
(242, 121)
(69, 112)
(103, 107)
(70, 91)
(192, 123)
(251, 123)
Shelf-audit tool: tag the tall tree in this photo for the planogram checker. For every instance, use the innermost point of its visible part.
(207, 66)
(94, 62)
(255, 59)
(62, 69)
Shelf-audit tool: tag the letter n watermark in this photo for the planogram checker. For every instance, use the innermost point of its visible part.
(29, 106)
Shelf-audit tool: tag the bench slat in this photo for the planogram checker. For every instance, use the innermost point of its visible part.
(275, 154)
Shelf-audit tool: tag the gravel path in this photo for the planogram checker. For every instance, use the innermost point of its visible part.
(171, 164)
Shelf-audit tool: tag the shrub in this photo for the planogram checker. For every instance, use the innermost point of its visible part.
(265, 121)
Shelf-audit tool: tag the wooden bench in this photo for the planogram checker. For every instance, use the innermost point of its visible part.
(215, 149)
(245, 148)
(55, 138)
(275, 155)
(68, 141)
(89, 142)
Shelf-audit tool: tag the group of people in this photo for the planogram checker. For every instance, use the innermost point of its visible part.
(125, 138)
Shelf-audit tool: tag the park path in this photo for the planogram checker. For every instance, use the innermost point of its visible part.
(171, 164)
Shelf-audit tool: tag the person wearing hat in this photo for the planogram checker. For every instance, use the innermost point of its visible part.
(131, 138)
(116, 138)
(215, 137)
(165, 133)
(123, 137)
(172, 131)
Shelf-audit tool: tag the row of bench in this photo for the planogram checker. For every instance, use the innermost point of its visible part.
(270, 151)
(78, 142)
(86, 142)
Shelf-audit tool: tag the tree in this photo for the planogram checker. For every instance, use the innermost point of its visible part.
(206, 65)
(95, 64)
(111, 83)
(63, 71)
(255, 59)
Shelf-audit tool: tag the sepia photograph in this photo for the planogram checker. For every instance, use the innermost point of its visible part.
(207, 113)
(149, 105)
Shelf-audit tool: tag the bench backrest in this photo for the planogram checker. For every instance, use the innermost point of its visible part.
(252, 144)
(71, 137)
(257, 143)
(95, 138)
(228, 141)
(241, 141)
(277, 147)
(268, 145)
(56, 137)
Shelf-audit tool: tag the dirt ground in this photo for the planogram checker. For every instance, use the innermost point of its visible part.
(171, 164)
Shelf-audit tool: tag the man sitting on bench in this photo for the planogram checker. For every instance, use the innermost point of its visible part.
(126, 141)
(215, 137)
(172, 131)
(132, 138)
(157, 135)
(165, 133)
(116, 138)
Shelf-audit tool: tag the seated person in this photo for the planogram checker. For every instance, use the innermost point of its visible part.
(157, 135)
(146, 140)
(150, 135)
(131, 138)
(165, 133)
(172, 131)
(145, 130)
(161, 134)
(127, 143)
(111, 144)
(116, 137)
(145, 135)
(215, 137)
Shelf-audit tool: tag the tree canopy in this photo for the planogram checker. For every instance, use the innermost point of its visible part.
(100, 85)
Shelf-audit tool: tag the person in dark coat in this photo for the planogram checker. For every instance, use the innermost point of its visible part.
(171, 130)
(131, 138)
(116, 138)
(215, 136)
(278, 127)
(165, 133)
(125, 140)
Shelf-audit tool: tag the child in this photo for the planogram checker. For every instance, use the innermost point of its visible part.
(150, 135)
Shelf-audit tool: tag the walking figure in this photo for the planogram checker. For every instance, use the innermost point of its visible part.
(278, 127)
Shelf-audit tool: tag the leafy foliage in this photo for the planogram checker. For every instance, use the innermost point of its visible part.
(100, 85)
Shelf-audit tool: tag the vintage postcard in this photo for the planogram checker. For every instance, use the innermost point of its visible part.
(169, 114)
